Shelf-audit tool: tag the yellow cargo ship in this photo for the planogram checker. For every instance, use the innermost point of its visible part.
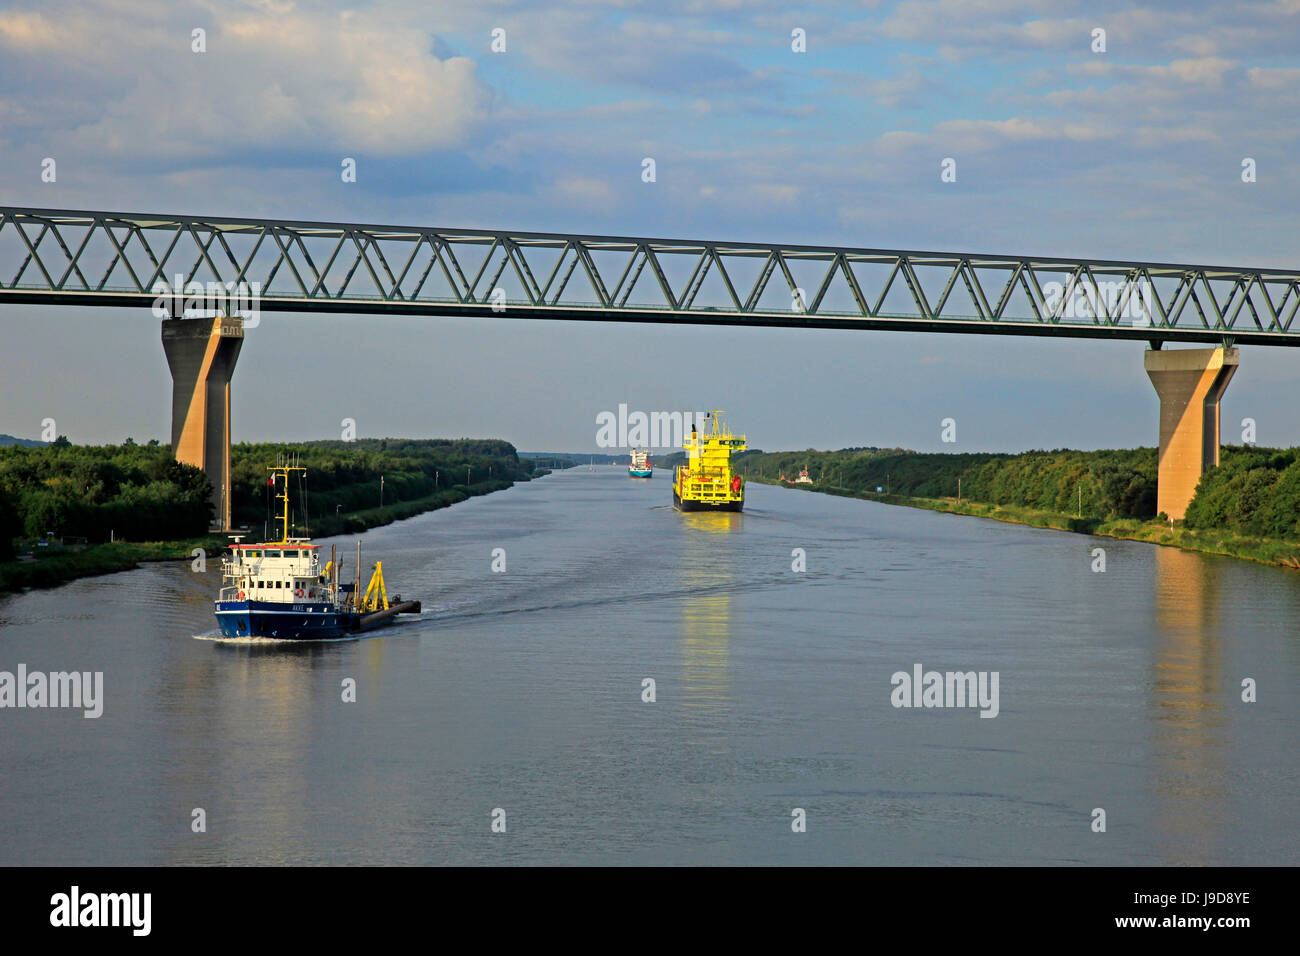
(706, 482)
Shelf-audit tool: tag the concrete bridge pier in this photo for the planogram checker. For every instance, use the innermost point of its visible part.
(201, 354)
(1190, 383)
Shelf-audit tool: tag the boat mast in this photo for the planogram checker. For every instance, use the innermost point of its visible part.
(282, 472)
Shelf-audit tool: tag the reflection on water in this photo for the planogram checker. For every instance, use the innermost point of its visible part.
(706, 573)
(1188, 718)
(274, 681)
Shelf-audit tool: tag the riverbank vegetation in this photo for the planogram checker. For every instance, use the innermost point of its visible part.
(360, 484)
(68, 511)
(1248, 507)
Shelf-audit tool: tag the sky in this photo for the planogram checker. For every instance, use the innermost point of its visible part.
(1134, 152)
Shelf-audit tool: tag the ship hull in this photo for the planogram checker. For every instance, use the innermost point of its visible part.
(690, 504)
(633, 473)
(285, 622)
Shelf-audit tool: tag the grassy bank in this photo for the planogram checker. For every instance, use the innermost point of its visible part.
(1277, 552)
(63, 565)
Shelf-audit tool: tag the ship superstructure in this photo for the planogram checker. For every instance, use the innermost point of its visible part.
(706, 482)
(279, 590)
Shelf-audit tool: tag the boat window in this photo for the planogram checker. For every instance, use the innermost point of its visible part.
(291, 554)
(273, 554)
(252, 554)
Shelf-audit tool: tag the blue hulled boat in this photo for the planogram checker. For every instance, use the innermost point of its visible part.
(279, 590)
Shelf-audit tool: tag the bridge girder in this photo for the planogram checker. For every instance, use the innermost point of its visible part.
(69, 257)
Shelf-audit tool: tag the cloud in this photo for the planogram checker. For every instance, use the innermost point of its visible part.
(1204, 70)
(1285, 78)
(272, 78)
(909, 88)
(590, 193)
(968, 27)
(30, 32)
(666, 57)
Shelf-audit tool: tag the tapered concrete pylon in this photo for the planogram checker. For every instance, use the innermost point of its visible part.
(201, 354)
(1190, 383)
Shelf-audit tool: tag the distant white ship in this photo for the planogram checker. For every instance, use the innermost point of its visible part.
(640, 466)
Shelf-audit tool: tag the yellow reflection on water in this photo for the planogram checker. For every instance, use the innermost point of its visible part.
(712, 522)
(1187, 701)
(706, 575)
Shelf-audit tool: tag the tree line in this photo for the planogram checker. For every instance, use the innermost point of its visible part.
(140, 493)
(1253, 492)
(1098, 484)
(347, 476)
(133, 491)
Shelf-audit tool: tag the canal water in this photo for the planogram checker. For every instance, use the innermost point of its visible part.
(519, 697)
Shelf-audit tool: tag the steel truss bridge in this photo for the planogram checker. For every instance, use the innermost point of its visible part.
(72, 257)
